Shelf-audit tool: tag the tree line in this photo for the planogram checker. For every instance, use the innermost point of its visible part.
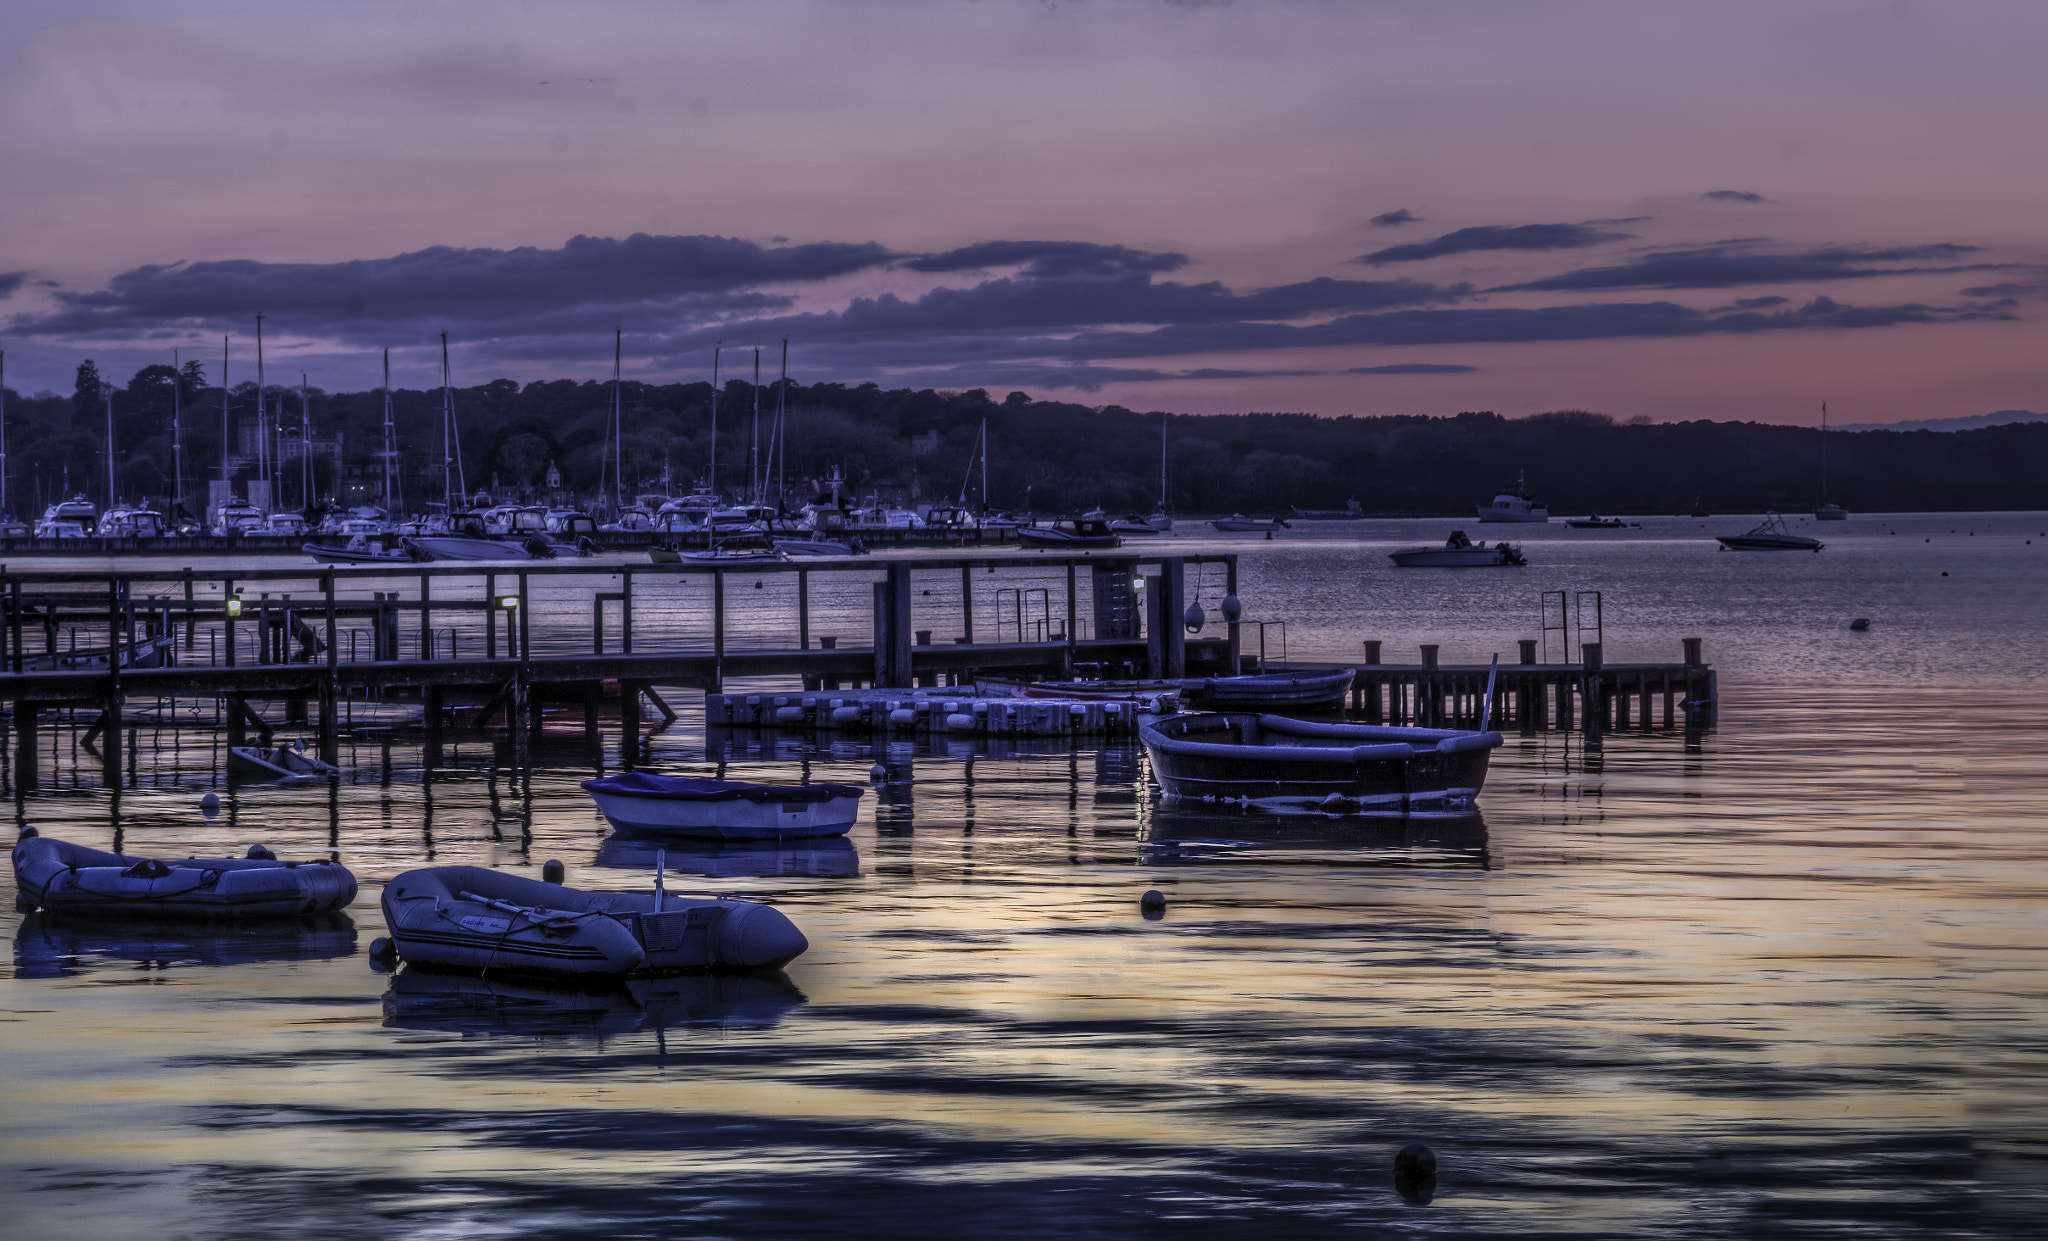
(1045, 456)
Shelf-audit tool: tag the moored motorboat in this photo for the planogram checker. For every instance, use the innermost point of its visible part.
(1352, 511)
(1272, 691)
(65, 878)
(1272, 762)
(706, 809)
(1238, 523)
(1771, 535)
(1459, 552)
(725, 557)
(473, 919)
(276, 762)
(463, 547)
(821, 547)
(1515, 504)
(358, 551)
(1134, 524)
(1594, 521)
(1081, 532)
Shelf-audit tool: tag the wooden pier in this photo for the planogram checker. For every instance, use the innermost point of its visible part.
(1590, 695)
(511, 639)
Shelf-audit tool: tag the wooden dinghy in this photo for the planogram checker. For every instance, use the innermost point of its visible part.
(64, 878)
(276, 762)
(1273, 691)
(476, 920)
(1273, 762)
(704, 809)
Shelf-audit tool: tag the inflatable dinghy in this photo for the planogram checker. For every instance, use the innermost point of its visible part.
(639, 801)
(64, 878)
(473, 919)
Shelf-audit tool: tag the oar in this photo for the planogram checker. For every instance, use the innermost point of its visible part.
(1486, 709)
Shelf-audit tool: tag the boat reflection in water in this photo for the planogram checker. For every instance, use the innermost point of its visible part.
(824, 857)
(50, 946)
(469, 1005)
(1205, 836)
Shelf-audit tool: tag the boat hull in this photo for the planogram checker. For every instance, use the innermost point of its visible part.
(455, 547)
(725, 810)
(1229, 526)
(1028, 537)
(1274, 763)
(277, 763)
(457, 917)
(64, 878)
(1768, 543)
(349, 555)
(1451, 558)
(1273, 692)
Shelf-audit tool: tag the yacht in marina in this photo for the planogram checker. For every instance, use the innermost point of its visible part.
(1515, 505)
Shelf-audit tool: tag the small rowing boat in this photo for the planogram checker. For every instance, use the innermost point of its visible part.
(277, 762)
(1275, 763)
(64, 878)
(472, 919)
(705, 809)
(1272, 691)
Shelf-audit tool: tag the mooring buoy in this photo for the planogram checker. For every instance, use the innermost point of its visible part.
(210, 802)
(878, 772)
(261, 853)
(1415, 1174)
(552, 871)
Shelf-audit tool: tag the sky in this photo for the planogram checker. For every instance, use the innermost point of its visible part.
(1672, 211)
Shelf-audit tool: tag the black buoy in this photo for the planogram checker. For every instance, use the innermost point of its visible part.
(1415, 1174)
(383, 955)
(1944, 572)
(210, 802)
(28, 833)
(260, 853)
(552, 871)
(1153, 903)
(1860, 624)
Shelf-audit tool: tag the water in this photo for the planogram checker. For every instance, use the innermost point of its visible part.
(1780, 979)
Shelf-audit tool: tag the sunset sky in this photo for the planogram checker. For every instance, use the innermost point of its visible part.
(1726, 210)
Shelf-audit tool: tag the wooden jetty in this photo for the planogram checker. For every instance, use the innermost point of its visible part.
(514, 638)
(1592, 694)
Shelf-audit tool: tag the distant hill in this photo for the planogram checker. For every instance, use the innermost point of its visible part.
(1969, 423)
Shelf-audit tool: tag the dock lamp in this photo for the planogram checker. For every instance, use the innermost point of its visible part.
(509, 602)
(234, 605)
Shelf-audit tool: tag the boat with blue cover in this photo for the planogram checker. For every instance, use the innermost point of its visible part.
(706, 809)
(1271, 762)
(1272, 691)
(64, 878)
(477, 920)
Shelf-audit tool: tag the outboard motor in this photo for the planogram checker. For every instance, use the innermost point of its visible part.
(539, 548)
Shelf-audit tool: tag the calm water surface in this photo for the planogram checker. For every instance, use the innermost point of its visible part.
(1782, 978)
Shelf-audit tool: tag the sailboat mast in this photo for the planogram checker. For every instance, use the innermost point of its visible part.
(1162, 462)
(262, 457)
(177, 443)
(713, 476)
(618, 425)
(754, 452)
(1823, 452)
(390, 446)
(781, 429)
(448, 490)
(110, 448)
(305, 443)
(227, 437)
(3, 432)
(984, 466)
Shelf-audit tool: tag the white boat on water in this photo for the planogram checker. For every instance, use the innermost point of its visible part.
(238, 517)
(1238, 523)
(49, 528)
(123, 522)
(1135, 524)
(639, 801)
(851, 546)
(77, 511)
(1515, 505)
(290, 525)
(463, 547)
(1459, 552)
(1772, 535)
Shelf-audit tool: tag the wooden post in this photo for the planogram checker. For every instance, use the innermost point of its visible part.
(881, 651)
(1155, 633)
(491, 617)
(803, 609)
(967, 601)
(1372, 651)
(25, 714)
(899, 664)
(1692, 652)
(191, 627)
(629, 723)
(1073, 613)
(330, 685)
(1593, 687)
(1232, 664)
(237, 729)
(1173, 581)
(432, 710)
(718, 629)
(1528, 650)
(626, 611)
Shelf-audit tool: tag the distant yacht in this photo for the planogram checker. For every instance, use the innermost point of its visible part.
(1515, 505)
(1826, 510)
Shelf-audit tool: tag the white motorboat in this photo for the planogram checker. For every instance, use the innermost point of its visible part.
(1594, 521)
(78, 511)
(1459, 552)
(1772, 535)
(48, 528)
(289, 525)
(821, 547)
(1830, 512)
(122, 522)
(1515, 505)
(461, 547)
(1134, 525)
(238, 517)
(358, 550)
(639, 801)
(515, 521)
(1238, 523)
(1079, 532)
(729, 557)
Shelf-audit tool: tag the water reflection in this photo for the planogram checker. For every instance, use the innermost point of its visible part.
(823, 857)
(468, 1005)
(50, 946)
(1195, 836)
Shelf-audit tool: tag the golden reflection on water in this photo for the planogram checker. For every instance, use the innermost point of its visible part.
(1811, 939)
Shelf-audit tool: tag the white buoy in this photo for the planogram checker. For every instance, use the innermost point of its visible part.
(878, 772)
(1231, 609)
(1195, 617)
